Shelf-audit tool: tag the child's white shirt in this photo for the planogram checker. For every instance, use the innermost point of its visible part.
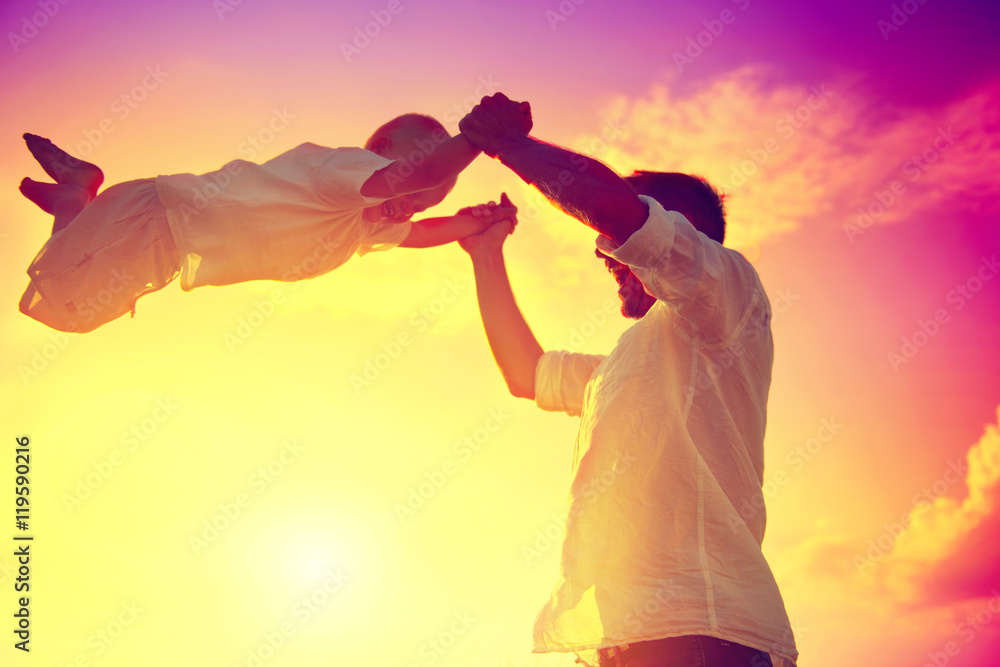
(298, 215)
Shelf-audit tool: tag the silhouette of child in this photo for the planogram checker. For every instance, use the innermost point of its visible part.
(296, 216)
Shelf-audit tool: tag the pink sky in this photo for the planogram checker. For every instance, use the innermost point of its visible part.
(886, 326)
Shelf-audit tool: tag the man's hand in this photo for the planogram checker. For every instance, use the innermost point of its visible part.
(595, 195)
(503, 220)
(489, 240)
(495, 122)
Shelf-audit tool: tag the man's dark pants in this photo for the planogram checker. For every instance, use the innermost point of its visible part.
(686, 651)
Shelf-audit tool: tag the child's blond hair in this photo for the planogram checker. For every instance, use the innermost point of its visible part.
(401, 134)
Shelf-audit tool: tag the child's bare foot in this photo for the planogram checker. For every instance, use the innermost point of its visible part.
(58, 199)
(63, 167)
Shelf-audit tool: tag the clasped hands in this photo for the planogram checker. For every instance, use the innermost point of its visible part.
(494, 124)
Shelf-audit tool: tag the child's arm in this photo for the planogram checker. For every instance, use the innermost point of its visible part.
(440, 163)
(468, 221)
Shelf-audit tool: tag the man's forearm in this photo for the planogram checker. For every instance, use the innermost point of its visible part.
(581, 186)
(514, 346)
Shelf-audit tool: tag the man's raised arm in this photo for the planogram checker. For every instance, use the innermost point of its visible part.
(581, 186)
(513, 344)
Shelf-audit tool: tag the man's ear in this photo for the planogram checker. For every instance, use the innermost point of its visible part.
(381, 145)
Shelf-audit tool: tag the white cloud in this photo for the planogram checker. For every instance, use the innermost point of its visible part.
(791, 155)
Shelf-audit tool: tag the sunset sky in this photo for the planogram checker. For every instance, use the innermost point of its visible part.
(332, 472)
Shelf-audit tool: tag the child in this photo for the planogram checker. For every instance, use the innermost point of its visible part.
(296, 216)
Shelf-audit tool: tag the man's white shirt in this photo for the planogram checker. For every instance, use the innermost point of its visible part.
(666, 513)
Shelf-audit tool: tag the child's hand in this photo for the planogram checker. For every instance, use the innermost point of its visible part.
(479, 211)
(492, 212)
(487, 215)
(500, 221)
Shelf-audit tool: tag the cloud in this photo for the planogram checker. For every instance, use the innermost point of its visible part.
(945, 550)
(950, 551)
(789, 155)
(928, 582)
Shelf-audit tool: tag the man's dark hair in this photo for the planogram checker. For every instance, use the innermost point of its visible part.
(691, 196)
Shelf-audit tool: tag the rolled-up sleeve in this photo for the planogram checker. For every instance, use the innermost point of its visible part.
(709, 285)
(561, 380)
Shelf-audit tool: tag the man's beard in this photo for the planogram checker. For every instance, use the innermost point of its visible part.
(635, 302)
(635, 309)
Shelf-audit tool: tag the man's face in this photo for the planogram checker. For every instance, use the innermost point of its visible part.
(635, 301)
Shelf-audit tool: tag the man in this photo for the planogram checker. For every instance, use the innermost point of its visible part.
(659, 569)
